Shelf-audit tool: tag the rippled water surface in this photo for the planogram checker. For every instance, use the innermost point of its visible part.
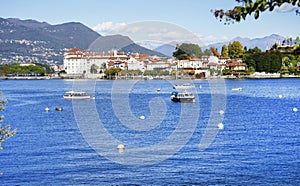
(259, 145)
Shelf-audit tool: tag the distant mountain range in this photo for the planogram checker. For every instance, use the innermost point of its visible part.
(33, 41)
(264, 44)
(166, 49)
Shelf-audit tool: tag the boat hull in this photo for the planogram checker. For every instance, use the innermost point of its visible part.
(183, 100)
(183, 86)
(76, 95)
(80, 97)
(175, 98)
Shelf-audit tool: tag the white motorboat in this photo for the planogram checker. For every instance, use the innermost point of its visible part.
(76, 95)
(182, 97)
(237, 89)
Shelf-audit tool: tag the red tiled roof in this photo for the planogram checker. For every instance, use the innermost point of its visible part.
(194, 59)
(235, 64)
(77, 57)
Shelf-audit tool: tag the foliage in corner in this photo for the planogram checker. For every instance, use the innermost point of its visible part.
(248, 7)
(5, 132)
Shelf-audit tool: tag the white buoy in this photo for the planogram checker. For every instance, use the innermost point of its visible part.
(200, 86)
(47, 109)
(295, 109)
(221, 112)
(280, 96)
(220, 126)
(121, 148)
(142, 117)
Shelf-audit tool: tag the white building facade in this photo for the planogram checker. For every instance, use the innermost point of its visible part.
(80, 62)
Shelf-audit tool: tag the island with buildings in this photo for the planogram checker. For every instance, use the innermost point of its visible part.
(87, 64)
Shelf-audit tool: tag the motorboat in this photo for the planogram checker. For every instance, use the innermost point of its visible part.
(237, 89)
(183, 97)
(76, 95)
(184, 86)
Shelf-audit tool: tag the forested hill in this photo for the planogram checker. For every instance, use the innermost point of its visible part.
(65, 35)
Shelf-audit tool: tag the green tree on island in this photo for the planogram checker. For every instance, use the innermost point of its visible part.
(269, 62)
(5, 132)
(186, 51)
(215, 51)
(17, 69)
(112, 72)
(224, 51)
(235, 50)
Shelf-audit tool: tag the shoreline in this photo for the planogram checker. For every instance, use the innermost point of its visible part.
(229, 77)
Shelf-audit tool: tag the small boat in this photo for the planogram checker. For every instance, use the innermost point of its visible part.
(237, 89)
(183, 97)
(183, 86)
(59, 108)
(76, 95)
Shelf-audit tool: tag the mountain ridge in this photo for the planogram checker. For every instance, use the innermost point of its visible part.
(33, 41)
(264, 43)
(66, 35)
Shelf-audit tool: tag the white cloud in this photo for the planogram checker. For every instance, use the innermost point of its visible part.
(148, 31)
(286, 7)
(211, 39)
(107, 27)
(154, 33)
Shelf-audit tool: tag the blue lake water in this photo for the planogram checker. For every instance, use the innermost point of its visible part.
(259, 145)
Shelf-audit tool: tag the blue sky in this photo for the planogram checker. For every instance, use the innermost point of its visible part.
(193, 15)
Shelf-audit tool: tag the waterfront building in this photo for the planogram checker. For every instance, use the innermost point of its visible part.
(134, 64)
(158, 65)
(80, 62)
(223, 60)
(75, 62)
(236, 65)
(83, 63)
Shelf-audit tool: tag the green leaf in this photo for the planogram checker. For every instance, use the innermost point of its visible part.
(256, 15)
(243, 16)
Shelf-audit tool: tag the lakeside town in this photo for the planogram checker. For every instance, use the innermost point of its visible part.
(85, 64)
